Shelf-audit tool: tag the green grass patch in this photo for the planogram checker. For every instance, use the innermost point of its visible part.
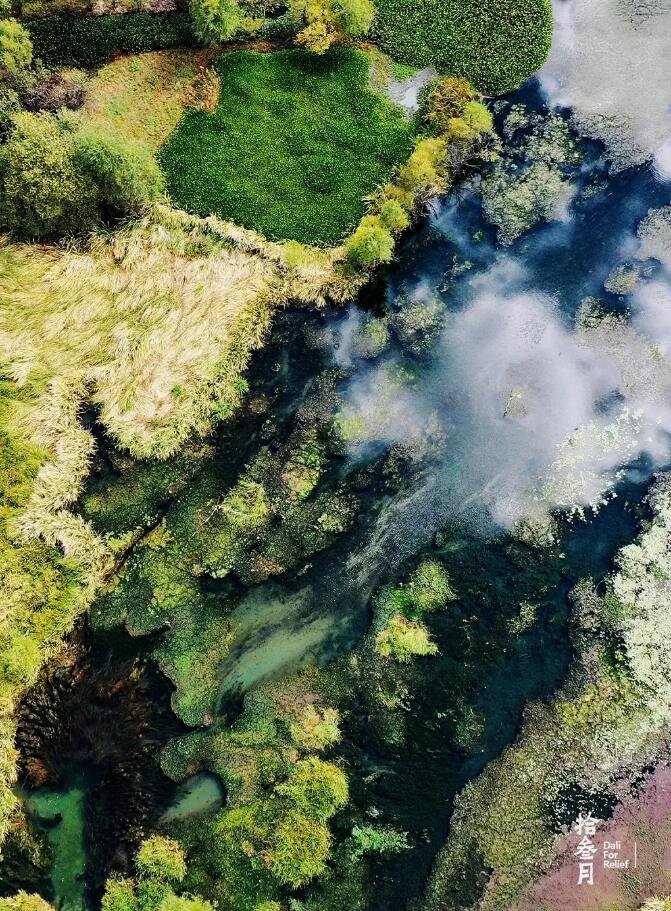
(495, 44)
(294, 146)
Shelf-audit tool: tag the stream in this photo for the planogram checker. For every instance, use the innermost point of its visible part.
(503, 331)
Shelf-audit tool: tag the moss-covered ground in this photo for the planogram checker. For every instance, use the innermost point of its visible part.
(294, 146)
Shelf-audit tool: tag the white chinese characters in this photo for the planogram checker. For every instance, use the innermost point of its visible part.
(586, 827)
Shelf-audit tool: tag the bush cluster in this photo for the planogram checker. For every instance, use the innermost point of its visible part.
(57, 180)
(495, 44)
(91, 40)
(160, 867)
(399, 629)
(458, 129)
(215, 20)
(323, 23)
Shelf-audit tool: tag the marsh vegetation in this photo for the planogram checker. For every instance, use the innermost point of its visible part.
(318, 491)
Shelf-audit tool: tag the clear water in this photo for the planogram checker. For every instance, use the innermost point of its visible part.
(62, 814)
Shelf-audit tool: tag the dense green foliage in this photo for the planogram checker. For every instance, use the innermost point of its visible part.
(15, 48)
(160, 867)
(399, 630)
(124, 173)
(41, 193)
(496, 44)
(323, 23)
(23, 901)
(296, 143)
(91, 40)
(371, 243)
(16, 55)
(161, 858)
(273, 516)
(458, 130)
(54, 180)
(273, 834)
(215, 20)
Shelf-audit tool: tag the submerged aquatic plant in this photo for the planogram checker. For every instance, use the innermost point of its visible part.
(106, 718)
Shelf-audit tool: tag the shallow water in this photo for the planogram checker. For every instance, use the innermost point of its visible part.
(62, 814)
(201, 793)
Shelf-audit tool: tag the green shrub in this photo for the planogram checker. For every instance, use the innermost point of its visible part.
(10, 103)
(16, 50)
(323, 23)
(318, 789)
(299, 848)
(91, 40)
(184, 903)
(377, 840)
(447, 100)
(119, 896)
(475, 119)
(55, 181)
(162, 858)
(393, 216)
(423, 174)
(23, 901)
(125, 173)
(295, 145)
(402, 639)
(371, 243)
(496, 44)
(215, 20)
(41, 193)
(429, 586)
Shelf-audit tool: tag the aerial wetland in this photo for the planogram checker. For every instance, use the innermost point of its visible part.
(335, 451)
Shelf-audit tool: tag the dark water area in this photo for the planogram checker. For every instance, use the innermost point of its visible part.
(504, 642)
(486, 670)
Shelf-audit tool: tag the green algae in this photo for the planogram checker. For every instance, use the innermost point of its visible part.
(200, 528)
(64, 811)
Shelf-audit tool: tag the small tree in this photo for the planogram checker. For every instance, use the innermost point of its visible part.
(402, 639)
(317, 788)
(423, 174)
(10, 104)
(125, 173)
(161, 858)
(298, 850)
(447, 100)
(323, 23)
(474, 120)
(16, 49)
(215, 20)
(429, 586)
(160, 863)
(24, 901)
(393, 216)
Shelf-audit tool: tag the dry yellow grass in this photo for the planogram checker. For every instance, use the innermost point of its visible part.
(153, 324)
(143, 96)
(140, 327)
